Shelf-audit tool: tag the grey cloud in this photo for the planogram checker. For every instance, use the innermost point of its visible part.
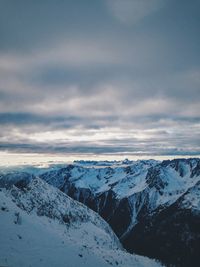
(71, 66)
(28, 24)
(54, 122)
(28, 118)
(95, 150)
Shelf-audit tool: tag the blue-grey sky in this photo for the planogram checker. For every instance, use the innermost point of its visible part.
(100, 76)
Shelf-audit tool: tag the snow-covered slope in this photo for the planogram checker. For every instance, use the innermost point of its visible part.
(41, 226)
(142, 183)
(128, 193)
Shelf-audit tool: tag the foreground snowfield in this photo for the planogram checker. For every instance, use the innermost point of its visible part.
(41, 226)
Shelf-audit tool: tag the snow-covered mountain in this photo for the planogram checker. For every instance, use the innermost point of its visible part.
(42, 226)
(134, 197)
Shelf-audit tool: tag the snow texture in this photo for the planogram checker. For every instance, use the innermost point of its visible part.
(41, 226)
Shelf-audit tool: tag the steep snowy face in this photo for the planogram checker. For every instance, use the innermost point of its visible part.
(122, 179)
(170, 180)
(191, 199)
(41, 226)
(36, 196)
(127, 193)
(150, 183)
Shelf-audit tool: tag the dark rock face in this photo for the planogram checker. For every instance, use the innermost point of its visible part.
(19, 179)
(121, 217)
(154, 180)
(106, 204)
(196, 170)
(171, 235)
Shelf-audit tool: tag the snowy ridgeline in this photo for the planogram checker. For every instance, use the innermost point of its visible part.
(152, 206)
(41, 226)
(163, 182)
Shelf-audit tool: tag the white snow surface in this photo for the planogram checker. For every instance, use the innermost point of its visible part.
(41, 226)
(128, 178)
(191, 200)
(147, 183)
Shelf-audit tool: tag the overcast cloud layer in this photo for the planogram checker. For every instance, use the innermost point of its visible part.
(100, 77)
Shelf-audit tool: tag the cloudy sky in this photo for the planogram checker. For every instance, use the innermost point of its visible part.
(100, 77)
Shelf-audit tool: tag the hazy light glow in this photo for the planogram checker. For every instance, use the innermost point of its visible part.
(44, 160)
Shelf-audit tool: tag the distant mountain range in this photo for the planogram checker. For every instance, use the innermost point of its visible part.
(152, 206)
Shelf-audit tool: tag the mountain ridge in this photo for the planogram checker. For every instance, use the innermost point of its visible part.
(124, 194)
(42, 226)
